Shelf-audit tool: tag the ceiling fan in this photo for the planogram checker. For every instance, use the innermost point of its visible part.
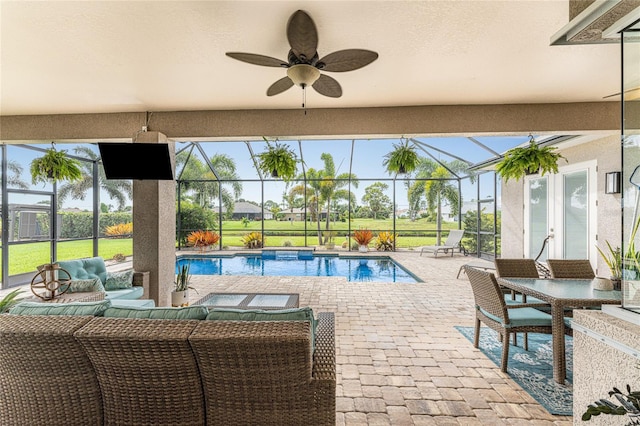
(303, 62)
(629, 95)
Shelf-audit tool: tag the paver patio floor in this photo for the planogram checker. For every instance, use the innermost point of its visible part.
(399, 359)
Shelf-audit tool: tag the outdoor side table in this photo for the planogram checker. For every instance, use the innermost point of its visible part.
(265, 301)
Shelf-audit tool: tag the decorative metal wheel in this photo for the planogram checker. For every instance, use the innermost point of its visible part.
(47, 283)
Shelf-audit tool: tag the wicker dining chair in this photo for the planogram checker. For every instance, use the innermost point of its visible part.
(571, 268)
(494, 312)
(516, 268)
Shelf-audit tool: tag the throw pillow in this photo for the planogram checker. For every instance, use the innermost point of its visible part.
(78, 286)
(95, 309)
(119, 280)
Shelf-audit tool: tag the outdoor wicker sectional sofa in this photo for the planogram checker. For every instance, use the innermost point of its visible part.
(135, 369)
(94, 267)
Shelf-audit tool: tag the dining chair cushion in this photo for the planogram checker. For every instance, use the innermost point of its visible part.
(523, 317)
(518, 299)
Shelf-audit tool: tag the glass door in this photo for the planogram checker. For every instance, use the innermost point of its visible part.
(536, 217)
(562, 207)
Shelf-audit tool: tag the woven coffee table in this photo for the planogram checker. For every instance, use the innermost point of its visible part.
(250, 300)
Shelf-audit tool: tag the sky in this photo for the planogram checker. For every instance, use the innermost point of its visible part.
(368, 156)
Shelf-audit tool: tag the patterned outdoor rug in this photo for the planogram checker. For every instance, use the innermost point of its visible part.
(532, 369)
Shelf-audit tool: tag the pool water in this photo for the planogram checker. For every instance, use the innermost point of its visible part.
(300, 264)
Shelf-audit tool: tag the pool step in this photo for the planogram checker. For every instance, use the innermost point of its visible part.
(287, 254)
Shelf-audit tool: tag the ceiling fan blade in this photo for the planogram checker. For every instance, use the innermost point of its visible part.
(327, 86)
(629, 95)
(302, 35)
(279, 86)
(347, 60)
(255, 59)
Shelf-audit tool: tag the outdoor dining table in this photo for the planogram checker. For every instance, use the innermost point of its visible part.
(560, 294)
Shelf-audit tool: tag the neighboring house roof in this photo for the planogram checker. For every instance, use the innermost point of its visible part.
(242, 207)
(295, 210)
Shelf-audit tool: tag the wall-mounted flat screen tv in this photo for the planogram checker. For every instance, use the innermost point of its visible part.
(139, 161)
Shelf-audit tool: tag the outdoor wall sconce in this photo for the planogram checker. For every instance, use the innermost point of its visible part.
(612, 183)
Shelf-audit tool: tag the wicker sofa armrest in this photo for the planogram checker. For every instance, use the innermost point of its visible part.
(45, 375)
(324, 369)
(141, 279)
(324, 357)
(275, 355)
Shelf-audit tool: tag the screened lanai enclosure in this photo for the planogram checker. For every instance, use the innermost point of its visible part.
(340, 187)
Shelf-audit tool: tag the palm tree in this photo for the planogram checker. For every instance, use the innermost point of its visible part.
(200, 180)
(322, 187)
(14, 176)
(438, 188)
(119, 190)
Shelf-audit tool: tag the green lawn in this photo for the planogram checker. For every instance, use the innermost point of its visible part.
(410, 233)
(380, 224)
(24, 258)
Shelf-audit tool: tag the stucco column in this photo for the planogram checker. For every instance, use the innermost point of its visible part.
(154, 227)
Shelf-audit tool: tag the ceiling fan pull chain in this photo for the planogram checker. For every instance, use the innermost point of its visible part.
(304, 99)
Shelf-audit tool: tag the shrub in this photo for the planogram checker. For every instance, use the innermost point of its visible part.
(121, 230)
(363, 236)
(193, 217)
(287, 243)
(202, 239)
(385, 241)
(252, 240)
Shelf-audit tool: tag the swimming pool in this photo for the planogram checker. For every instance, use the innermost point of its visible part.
(300, 264)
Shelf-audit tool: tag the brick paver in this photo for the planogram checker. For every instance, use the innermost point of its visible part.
(399, 359)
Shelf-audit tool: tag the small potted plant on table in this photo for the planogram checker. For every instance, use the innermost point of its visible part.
(180, 295)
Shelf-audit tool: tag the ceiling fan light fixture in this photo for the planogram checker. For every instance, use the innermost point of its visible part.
(303, 75)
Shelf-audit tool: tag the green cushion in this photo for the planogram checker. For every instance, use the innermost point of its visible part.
(188, 312)
(77, 286)
(95, 309)
(135, 292)
(294, 314)
(119, 280)
(524, 316)
(82, 269)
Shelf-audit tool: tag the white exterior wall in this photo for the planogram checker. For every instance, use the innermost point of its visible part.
(606, 151)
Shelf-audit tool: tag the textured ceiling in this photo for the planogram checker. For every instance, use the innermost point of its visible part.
(110, 56)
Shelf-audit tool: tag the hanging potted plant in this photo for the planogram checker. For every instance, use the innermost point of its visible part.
(403, 158)
(278, 161)
(55, 165)
(180, 295)
(520, 161)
